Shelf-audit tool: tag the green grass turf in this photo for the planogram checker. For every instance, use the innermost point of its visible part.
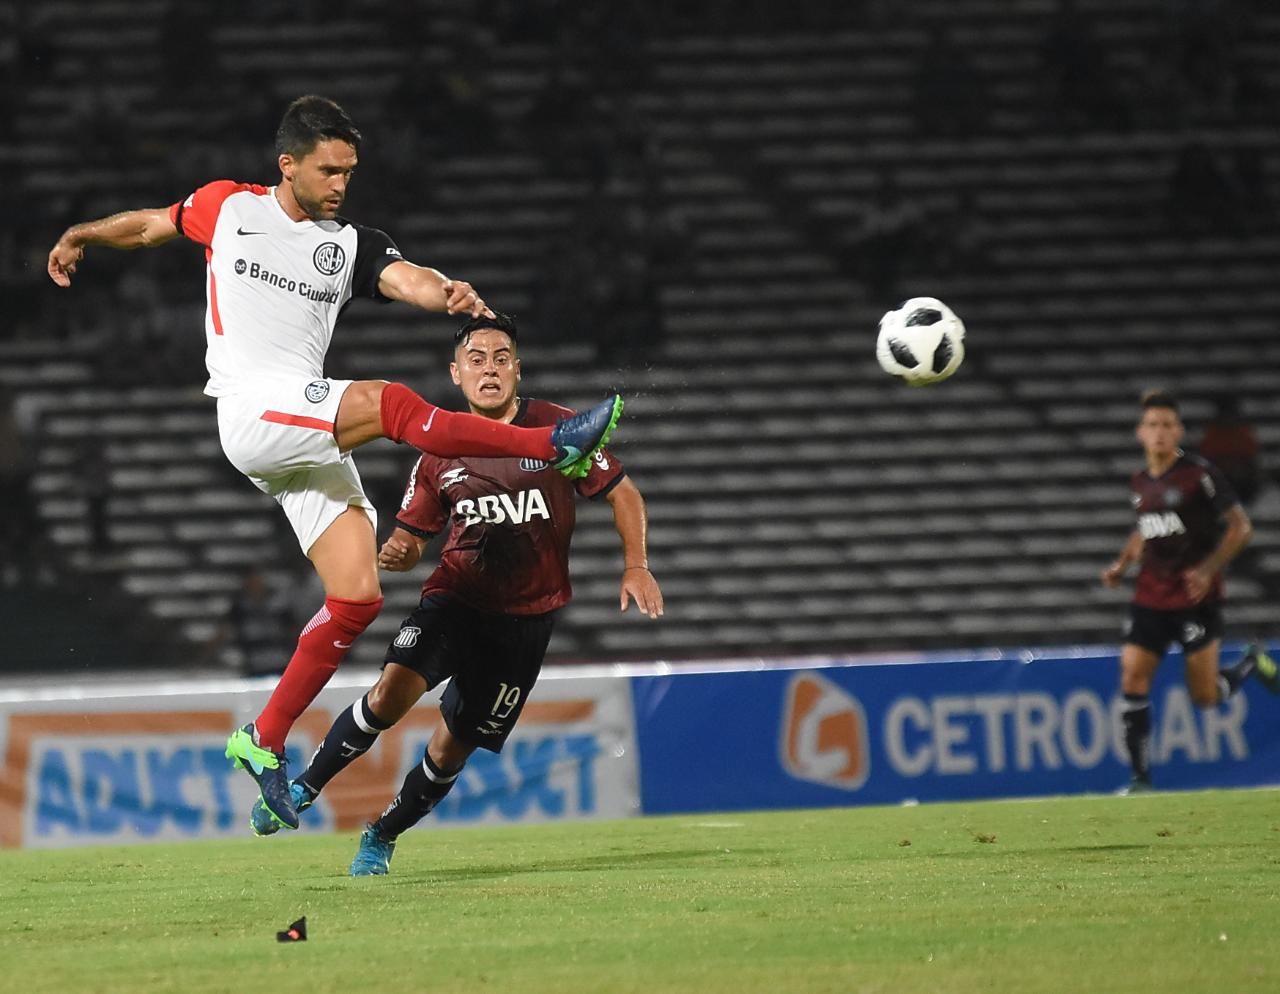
(1167, 892)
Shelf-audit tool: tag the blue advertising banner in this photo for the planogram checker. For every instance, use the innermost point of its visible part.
(802, 734)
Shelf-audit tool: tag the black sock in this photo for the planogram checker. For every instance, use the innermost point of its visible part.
(350, 736)
(1137, 733)
(1236, 674)
(424, 787)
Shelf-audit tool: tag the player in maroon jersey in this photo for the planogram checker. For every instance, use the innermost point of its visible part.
(486, 612)
(1189, 527)
(281, 265)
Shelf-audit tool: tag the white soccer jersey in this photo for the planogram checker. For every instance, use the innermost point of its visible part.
(275, 286)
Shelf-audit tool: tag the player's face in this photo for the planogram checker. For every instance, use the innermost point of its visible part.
(319, 179)
(1160, 431)
(486, 368)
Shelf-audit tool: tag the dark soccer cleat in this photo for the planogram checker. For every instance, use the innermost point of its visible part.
(373, 858)
(1136, 785)
(268, 770)
(1262, 666)
(263, 822)
(577, 438)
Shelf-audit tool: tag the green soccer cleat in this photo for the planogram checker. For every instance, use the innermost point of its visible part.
(268, 770)
(577, 439)
(263, 822)
(1264, 667)
(373, 858)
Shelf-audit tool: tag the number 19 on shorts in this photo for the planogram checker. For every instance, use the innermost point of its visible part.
(506, 701)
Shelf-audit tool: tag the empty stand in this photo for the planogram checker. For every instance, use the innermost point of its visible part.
(799, 499)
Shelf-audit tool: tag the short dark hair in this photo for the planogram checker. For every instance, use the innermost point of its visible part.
(499, 322)
(310, 120)
(1159, 398)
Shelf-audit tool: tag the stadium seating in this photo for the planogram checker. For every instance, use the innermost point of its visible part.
(799, 500)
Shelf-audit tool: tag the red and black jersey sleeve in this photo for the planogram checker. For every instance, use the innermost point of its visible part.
(196, 216)
(421, 512)
(375, 251)
(606, 473)
(1216, 488)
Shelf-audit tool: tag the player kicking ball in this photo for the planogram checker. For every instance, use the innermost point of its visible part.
(487, 611)
(280, 267)
(1189, 527)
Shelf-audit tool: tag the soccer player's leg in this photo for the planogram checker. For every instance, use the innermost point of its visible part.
(343, 556)
(425, 786)
(1254, 662)
(282, 438)
(351, 735)
(375, 409)
(417, 659)
(1143, 648)
(1207, 686)
(1201, 638)
(498, 658)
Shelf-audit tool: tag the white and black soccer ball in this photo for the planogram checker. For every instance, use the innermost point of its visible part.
(921, 341)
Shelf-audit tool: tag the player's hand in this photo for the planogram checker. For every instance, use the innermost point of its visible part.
(1196, 582)
(460, 296)
(1112, 575)
(638, 583)
(397, 555)
(62, 261)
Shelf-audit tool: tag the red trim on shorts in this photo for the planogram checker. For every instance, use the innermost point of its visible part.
(213, 294)
(297, 420)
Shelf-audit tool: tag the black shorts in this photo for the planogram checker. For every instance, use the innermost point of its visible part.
(491, 662)
(1154, 630)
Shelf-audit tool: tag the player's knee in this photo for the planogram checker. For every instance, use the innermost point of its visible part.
(353, 615)
(1204, 697)
(1134, 683)
(446, 751)
(390, 700)
(362, 589)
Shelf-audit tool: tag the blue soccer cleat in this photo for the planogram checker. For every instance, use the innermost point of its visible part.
(263, 822)
(577, 438)
(373, 858)
(268, 770)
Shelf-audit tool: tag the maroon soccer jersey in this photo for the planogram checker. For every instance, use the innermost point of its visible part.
(1180, 520)
(509, 521)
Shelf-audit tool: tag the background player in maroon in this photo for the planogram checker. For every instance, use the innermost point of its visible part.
(1189, 526)
(487, 610)
(280, 266)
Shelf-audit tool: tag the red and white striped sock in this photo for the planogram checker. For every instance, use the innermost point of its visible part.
(324, 641)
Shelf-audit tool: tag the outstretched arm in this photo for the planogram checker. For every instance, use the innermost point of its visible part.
(128, 230)
(632, 522)
(430, 289)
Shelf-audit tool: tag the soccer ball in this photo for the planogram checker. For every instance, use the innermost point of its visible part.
(921, 341)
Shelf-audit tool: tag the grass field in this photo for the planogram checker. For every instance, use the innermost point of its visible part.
(1167, 892)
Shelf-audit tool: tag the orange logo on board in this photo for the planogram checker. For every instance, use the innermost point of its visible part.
(824, 734)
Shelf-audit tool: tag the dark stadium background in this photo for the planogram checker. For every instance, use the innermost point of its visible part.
(707, 206)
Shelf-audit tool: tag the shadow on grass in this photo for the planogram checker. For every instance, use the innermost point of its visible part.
(986, 852)
(665, 859)
(1106, 847)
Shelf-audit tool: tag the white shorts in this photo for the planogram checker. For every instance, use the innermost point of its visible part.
(279, 433)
